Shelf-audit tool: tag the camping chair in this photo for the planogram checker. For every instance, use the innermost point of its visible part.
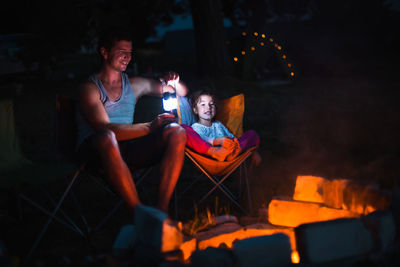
(230, 113)
(65, 138)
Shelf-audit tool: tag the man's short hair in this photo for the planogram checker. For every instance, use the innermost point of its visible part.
(109, 37)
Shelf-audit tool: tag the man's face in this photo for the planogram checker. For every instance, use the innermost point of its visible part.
(119, 56)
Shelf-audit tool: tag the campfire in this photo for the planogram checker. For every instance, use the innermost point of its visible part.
(315, 199)
(325, 220)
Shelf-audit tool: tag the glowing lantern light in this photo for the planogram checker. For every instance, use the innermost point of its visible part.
(279, 47)
(263, 36)
(262, 43)
(284, 56)
(170, 102)
(289, 65)
(275, 45)
(235, 59)
(295, 257)
(255, 33)
(244, 33)
(252, 48)
(243, 53)
(292, 74)
(271, 40)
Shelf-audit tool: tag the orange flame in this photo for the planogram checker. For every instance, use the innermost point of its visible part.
(295, 257)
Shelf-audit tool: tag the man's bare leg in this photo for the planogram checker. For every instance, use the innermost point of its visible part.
(116, 168)
(171, 164)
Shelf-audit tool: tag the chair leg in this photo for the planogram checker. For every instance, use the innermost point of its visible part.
(71, 222)
(100, 224)
(228, 194)
(83, 218)
(246, 180)
(52, 216)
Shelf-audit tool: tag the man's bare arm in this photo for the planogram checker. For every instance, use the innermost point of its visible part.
(94, 112)
(144, 86)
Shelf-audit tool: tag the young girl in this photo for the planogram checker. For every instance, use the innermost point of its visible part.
(215, 139)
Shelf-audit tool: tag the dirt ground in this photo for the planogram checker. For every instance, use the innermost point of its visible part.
(342, 126)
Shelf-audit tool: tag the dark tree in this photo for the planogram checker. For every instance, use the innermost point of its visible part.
(212, 54)
(60, 29)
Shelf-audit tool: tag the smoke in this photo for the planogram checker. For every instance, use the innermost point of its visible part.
(335, 129)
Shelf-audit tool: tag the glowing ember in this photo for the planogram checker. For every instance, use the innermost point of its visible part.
(228, 238)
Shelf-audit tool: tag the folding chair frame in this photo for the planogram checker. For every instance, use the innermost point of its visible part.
(80, 173)
(85, 231)
(218, 181)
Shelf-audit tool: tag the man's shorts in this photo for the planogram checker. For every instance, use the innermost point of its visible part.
(137, 153)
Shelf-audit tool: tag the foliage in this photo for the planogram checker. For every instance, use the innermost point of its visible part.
(67, 26)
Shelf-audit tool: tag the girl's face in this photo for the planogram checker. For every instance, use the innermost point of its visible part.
(205, 109)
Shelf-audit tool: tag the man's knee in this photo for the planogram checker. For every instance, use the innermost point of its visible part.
(105, 140)
(174, 132)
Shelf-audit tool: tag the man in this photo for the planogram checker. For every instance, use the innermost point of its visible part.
(107, 134)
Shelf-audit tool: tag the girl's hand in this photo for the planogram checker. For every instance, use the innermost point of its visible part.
(225, 142)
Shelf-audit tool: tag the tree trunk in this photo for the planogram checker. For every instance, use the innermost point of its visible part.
(212, 54)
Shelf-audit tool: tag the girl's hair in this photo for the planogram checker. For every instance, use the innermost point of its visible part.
(194, 98)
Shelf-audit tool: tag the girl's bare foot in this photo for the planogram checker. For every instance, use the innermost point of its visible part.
(256, 158)
(219, 153)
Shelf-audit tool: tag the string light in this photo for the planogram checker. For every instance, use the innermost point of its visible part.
(252, 48)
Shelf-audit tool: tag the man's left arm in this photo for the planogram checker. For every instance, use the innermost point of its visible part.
(145, 86)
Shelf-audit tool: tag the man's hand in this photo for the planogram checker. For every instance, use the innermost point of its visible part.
(171, 83)
(171, 76)
(161, 120)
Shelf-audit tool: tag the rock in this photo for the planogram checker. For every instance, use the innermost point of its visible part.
(126, 238)
(382, 227)
(333, 240)
(227, 239)
(155, 232)
(217, 230)
(188, 247)
(212, 257)
(272, 250)
(287, 212)
(224, 219)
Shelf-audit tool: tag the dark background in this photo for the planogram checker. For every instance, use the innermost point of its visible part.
(337, 116)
